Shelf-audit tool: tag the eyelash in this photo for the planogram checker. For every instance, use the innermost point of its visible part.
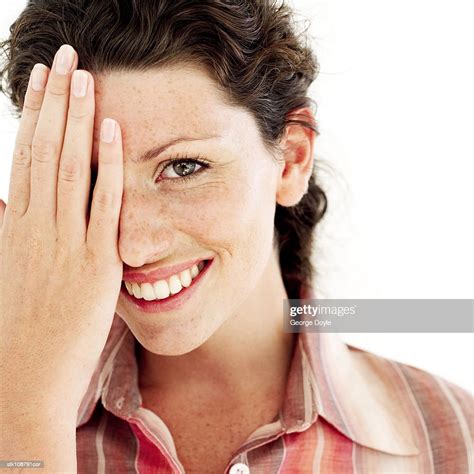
(186, 159)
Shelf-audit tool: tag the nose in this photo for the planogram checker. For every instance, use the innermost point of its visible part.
(142, 239)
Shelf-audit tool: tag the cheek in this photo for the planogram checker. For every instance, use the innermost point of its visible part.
(235, 216)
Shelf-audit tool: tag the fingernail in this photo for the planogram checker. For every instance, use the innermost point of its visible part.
(107, 131)
(79, 83)
(38, 77)
(65, 59)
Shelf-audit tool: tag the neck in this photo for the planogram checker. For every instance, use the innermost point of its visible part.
(249, 350)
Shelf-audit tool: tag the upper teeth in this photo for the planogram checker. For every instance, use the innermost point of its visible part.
(163, 288)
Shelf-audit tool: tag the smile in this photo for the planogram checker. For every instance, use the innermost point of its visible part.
(166, 294)
(162, 289)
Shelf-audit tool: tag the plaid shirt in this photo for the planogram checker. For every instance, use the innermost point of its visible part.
(345, 411)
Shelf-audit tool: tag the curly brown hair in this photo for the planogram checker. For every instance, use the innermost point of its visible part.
(250, 47)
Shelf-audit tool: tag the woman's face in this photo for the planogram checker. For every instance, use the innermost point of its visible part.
(224, 212)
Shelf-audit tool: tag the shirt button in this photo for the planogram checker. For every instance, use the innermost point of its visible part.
(239, 468)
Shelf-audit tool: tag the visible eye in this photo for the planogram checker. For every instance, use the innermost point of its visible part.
(182, 169)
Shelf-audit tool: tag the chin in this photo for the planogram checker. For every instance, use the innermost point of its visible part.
(173, 340)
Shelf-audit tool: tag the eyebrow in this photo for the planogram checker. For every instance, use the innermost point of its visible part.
(155, 151)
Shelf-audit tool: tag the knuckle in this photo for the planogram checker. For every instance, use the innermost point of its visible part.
(56, 90)
(32, 106)
(104, 199)
(22, 155)
(78, 114)
(109, 159)
(44, 150)
(70, 169)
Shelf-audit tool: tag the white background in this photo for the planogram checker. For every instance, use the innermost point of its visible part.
(395, 154)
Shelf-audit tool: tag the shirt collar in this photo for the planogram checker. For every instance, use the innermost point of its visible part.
(326, 378)
(339, 383)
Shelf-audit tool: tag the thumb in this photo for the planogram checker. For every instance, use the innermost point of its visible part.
(3, 206)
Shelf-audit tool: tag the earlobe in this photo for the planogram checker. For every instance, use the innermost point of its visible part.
(297, 152)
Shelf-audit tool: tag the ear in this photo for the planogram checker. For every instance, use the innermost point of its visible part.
(297, 159)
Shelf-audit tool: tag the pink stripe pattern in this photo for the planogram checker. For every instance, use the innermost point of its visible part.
(345, 411)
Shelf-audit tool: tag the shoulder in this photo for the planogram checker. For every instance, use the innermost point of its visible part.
(444, 406)
(441, 413)
(432, 393)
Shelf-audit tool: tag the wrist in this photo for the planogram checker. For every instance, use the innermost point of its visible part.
(23, 413)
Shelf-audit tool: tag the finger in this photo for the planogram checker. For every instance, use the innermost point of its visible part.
(74, 166)
(49, 135)
(102, 233)
(19, 187)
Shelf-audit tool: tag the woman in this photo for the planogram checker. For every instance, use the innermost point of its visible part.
(144, 320)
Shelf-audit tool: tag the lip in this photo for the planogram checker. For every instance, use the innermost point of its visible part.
(160, 273)
(172, 302)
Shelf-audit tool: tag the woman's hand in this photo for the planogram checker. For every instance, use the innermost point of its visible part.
(60, 269)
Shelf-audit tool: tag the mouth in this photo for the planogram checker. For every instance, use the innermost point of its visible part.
(166, 295)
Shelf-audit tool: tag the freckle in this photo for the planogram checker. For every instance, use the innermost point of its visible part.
(136, 234)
